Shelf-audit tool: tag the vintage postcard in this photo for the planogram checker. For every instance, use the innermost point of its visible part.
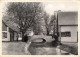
(39, 28)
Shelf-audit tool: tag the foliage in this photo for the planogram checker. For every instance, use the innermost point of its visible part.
(29, 14)
(24, 13)
(49, 22)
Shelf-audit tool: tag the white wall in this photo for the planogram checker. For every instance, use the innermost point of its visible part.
(8, 35)
(73, 30)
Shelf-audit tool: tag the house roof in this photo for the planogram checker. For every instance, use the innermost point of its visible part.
(68, 18)
(11, 25)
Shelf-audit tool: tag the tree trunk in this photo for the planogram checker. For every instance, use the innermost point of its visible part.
(47, 32)
(22, 36)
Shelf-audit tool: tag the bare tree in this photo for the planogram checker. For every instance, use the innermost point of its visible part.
(49, 22)
(24, 13)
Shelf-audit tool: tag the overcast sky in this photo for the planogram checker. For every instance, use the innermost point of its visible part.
(50, 7)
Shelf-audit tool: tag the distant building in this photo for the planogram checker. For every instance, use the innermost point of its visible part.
(9, 31)
(68, 26)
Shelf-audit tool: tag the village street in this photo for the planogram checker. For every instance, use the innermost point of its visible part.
(17, 48)
(39, 28)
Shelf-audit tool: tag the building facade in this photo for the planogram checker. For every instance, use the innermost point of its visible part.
(8, 32)
(68, 26)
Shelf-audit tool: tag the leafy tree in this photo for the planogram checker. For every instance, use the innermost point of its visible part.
(24, 14)
(49, 22)
(52, 24)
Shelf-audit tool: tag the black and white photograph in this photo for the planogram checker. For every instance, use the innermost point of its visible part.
(39, 28)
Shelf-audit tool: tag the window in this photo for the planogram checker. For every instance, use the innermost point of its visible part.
(65, 34)
(4, 27)
(4, 34)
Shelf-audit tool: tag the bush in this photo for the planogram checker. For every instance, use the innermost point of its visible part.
(70, 49)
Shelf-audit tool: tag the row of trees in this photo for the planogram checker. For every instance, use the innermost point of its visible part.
(29, 14)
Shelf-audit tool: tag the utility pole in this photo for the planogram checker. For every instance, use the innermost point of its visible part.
(55, 22)
(56, 25)
(56, 30)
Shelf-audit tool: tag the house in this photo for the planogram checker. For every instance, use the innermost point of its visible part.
(9, 31)
(68, 26)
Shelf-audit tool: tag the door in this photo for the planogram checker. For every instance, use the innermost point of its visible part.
(11, 36)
